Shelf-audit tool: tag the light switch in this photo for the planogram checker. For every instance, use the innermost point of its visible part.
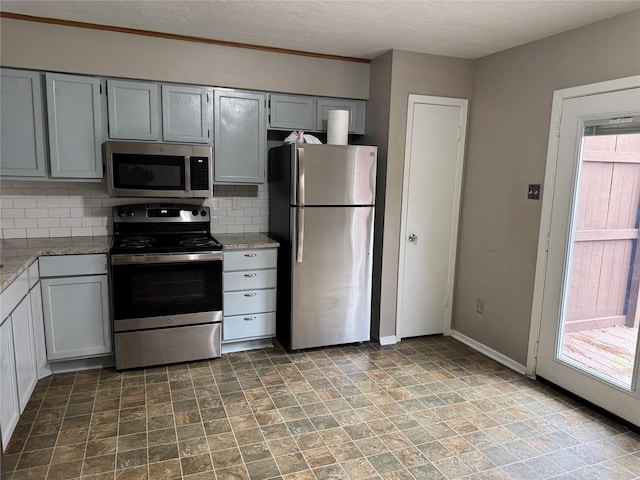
(534, 192)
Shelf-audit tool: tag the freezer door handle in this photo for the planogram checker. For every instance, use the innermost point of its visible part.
(300, 199)
(300, 234)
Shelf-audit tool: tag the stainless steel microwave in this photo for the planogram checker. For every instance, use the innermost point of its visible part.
(136, 169)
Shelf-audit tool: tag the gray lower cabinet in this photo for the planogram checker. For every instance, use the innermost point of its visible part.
(9, 405)
(240, 135)
(75, 298)
(22, 125)
(24, 345)
(75, 126)
(18, 350)
(134, 110)
(249, 295)
(37, 316)
(186, 113)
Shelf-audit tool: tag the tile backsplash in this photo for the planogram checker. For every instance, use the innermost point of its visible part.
(73, 209)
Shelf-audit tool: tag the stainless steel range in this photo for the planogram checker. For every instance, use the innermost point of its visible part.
(166, 285)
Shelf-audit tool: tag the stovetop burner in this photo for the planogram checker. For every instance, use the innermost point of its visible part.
(197, 241)
(156, 228)
(137, 241)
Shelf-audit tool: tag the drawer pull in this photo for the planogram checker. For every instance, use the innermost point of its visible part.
(252, 294)
(250, 275)
(249, 318)
(250, 254)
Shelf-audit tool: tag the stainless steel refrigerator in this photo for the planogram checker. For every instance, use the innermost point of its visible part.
(321, 210)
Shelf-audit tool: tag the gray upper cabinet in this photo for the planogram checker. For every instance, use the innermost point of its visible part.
(134, 110)
(75, 126)
(240, 137)
(356, 113)
(186, 114)
(299, 112)
(292, 112)
(22, 125)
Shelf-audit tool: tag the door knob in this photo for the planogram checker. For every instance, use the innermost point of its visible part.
(413, 238)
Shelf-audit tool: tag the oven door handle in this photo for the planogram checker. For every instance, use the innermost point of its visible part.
(177, 258)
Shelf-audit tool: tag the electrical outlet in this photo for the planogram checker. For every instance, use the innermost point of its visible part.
(236, 203)
(480, 306)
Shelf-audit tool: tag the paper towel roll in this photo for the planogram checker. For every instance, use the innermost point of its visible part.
(338, 127)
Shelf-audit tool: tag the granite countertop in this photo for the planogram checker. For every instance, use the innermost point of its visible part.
(236, 241)
(17, 254)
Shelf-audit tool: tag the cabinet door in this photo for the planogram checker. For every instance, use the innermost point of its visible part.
(76, 316)
(186, 114)
(75, 126)
(9, 406)
(37, 319)
(356, 113)
(240, 137)
(133, 110)
(22, 125)
(25, 355)
(291, 112)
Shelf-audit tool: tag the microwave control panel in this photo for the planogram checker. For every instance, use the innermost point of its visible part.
(199, 173)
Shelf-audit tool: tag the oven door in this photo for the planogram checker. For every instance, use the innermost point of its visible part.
(157, 291)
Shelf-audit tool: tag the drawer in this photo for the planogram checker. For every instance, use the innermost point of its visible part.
(167, 345)
(249, 301)
(250, 259)
(244, 327)
(249, 280)
(64, 265)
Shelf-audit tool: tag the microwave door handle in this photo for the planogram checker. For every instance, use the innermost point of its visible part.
(299, 234)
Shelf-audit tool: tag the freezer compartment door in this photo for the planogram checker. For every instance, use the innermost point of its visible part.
(331, 276)
(334, 175)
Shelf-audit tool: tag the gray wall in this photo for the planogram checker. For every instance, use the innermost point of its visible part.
(418, 74)
(507, 148)
(79, 50)
(377, 122)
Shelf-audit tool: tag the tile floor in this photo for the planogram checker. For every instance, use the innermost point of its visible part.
(427, 408)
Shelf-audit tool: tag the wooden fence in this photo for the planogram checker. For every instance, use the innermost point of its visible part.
(605, 268)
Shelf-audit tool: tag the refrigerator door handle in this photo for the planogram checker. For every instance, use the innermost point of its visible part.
(300, 199)
(300, 234)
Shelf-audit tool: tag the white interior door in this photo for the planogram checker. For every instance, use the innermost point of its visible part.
(436, 128)
(587, 281)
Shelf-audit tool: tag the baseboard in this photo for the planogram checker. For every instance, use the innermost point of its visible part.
(246, 345)
(390, 340)
(489, 352)
(65, 366)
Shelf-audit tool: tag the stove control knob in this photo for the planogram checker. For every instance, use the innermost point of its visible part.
(120, 212)
(203, 213)
(195, 213)
(129, 212)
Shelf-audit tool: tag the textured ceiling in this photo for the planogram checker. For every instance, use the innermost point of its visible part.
(364, 29)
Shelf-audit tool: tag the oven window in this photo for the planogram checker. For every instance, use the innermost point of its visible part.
(166, 289)
(148, 172)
